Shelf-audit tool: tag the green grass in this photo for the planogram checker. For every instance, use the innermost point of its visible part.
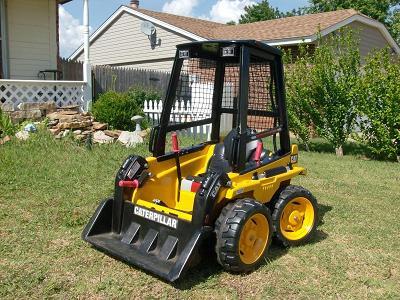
(49, 189)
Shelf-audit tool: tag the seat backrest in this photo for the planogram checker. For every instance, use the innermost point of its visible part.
(223, 152)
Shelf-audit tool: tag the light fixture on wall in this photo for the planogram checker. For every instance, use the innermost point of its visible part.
(150, 30)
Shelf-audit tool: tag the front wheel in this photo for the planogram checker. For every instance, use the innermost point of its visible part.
(295, 216)
(244, 232)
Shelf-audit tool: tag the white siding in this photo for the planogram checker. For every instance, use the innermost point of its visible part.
(370, 38)
(32, 34)
(123, 43)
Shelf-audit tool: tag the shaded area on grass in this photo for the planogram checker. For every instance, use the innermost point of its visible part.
(323, 146)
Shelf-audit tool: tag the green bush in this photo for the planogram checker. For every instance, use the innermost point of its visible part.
(380, 106)
(141, 94)
(6, 125)
(323, 89)
(117, 109)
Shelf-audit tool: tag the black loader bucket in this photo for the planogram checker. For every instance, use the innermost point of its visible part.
(150, 240)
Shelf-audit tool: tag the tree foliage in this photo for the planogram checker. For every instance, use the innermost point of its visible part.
(378, 9)
(297, 94)
(263, 11)
(395, 25)
(335, 77)
(323, 89)
(259, 12)
(380, 106)
(385, 11)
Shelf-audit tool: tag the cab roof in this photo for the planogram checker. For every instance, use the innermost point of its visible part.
(225, 43)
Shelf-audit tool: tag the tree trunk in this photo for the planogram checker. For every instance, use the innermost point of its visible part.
(308, 147)
(398, 158)
(339, 151)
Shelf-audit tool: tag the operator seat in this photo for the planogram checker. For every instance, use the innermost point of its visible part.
(223, 152)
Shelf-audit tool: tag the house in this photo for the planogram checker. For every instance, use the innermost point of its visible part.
(140, 38)
(29, 54)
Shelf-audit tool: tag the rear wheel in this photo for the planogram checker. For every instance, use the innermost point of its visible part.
(244, 231)
(295, 216)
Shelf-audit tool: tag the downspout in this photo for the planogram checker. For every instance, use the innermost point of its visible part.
(87, 70)
(4, 40)
(58, 35)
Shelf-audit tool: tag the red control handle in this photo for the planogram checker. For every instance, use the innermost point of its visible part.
(129, 183)
(257, 154)
(175, 144)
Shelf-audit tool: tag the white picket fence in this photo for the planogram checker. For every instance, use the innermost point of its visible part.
(181, 113)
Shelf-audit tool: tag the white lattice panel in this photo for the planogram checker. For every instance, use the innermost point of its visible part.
(14, 92)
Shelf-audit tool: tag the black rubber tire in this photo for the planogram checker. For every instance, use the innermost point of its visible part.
(287, 194)
(228, 228)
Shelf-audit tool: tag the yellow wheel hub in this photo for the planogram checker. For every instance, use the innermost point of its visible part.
(297, 218)
(253, 238)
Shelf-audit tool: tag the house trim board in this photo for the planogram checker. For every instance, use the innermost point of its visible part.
(131, 11)
(4, 40)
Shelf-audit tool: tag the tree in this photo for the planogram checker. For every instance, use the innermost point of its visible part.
(335, 87)
(323, 89)
(395, 25)
(259, 12)
(385, 11)
(297, 94)
(380, 106)
(378, 9)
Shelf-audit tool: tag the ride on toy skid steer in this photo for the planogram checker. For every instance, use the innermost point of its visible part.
(232, 186)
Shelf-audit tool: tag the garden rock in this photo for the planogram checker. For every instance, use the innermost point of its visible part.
(5, 139)
(20, 115)
(7, 107)
(130, 139)
(101, 138)
(66, 117)
(99, 126)
(55, 131)
(87, 132)
(77, 132)
(74, 124)
(22, 135)
(143, 133)
(71, 108)
(45, 107)
(113, 133)
(65, 133)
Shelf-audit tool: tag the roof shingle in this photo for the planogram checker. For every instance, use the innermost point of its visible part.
(277, 29)
(198, 27)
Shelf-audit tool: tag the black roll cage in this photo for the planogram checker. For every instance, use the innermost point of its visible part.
(244, 50)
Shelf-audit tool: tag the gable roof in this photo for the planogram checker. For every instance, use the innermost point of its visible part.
(286, 28)
(283, 31)
(199, 27)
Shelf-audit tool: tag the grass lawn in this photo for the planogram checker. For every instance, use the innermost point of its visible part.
(48, 191)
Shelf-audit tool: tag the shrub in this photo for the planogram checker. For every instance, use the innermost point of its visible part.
(380, 106)
(141, 94)
(117, 109)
